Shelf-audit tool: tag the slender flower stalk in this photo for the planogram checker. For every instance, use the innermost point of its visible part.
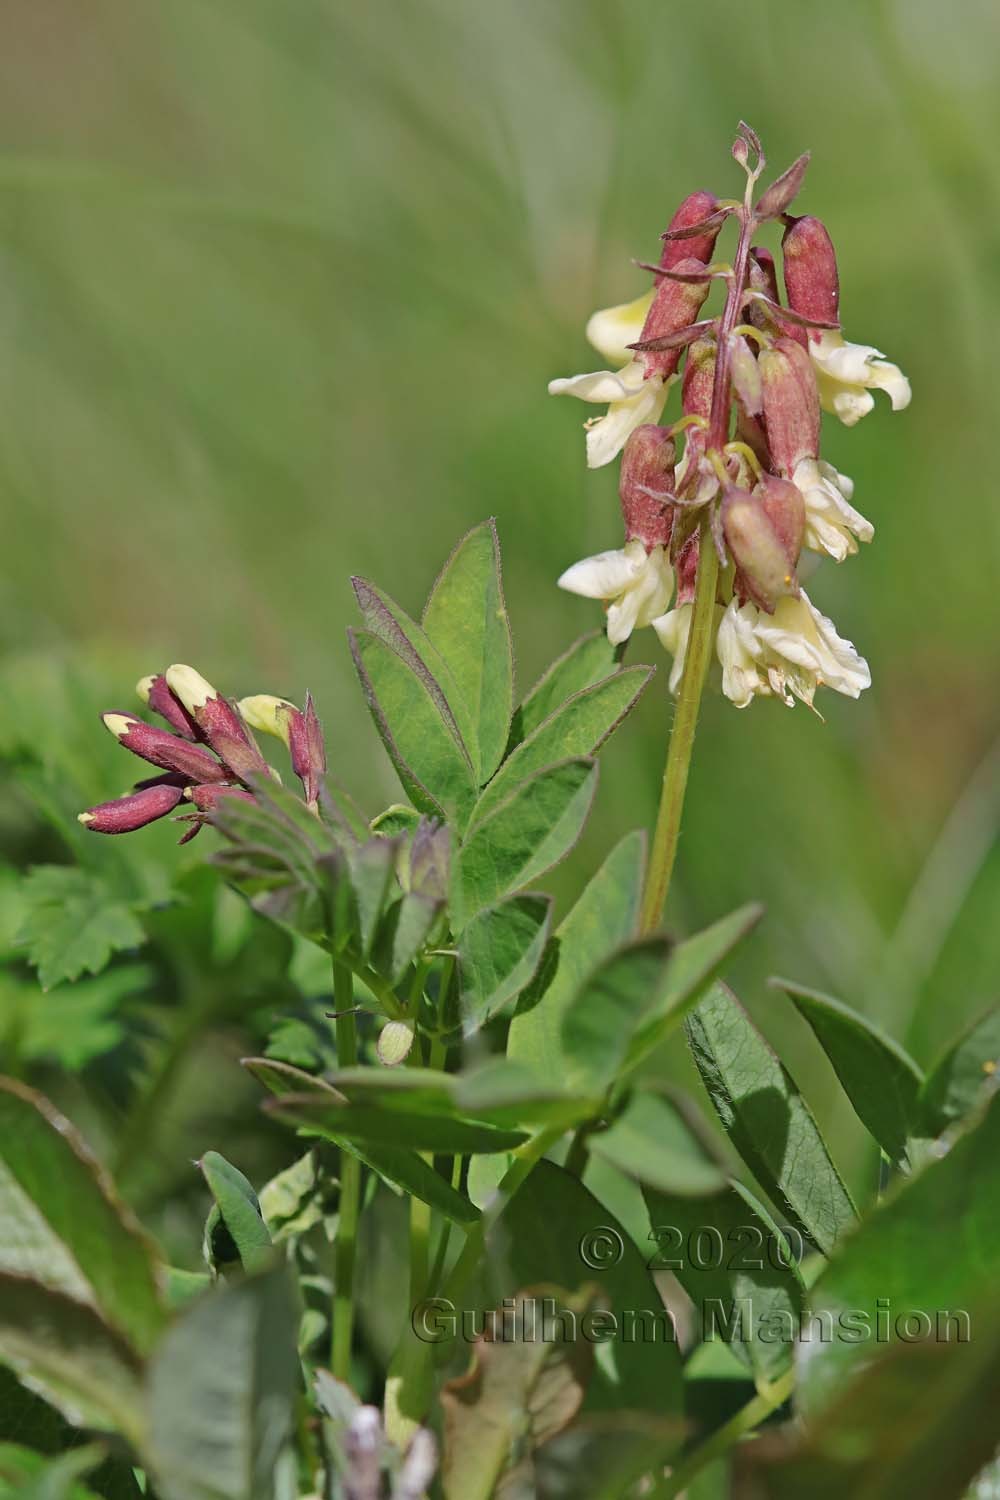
(726, 523)
(663, 850)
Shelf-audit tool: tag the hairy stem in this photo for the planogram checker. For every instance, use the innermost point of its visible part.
(350, 1192)
(702, 633)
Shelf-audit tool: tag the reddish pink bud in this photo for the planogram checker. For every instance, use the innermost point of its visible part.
(675, 305)
(810, 269)
(161, 748)
(645, 486)
(699, 380)
(306, 748)
(791, 403)
(695, 208)
(126, 814)
(218, 722)
(206, 798)
(156, 692)
(763, 532)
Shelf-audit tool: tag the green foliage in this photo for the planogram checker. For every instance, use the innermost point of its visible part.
(767, 1118)
(235, 1231)
(880, 1079)
(73, 923)
(962, 1076)
(499, 953)
(221, 1388)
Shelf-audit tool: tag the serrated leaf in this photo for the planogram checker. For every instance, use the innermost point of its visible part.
(222, 1387)
(767, 1118)
(447, 1133)
(738, 1267)
(73, 922)
(691, 967)
(64, 1348)
(603, 918)
(608, 1010)
(881, 1080)
(466, 619)
(931, 1248)
(579, 727)
(77, 1022)
(420, 736)
(588, 661)
(63, 1223)
(498, 954)
(519, 1390)
(237, 1212)
(963, 1075)
(534, 828)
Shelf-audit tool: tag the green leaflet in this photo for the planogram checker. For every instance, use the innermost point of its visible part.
(609, 1008)
(579, 727)
(235, 1227)
(767, 1119)
(498, 954)
(962, 1075)
(466, 619)
(367, 1124)
(930, 1248)
(588, 660)
(63, 1224)
(526, 835)
(222, 1386)
(881, 1080)
(603, 918)
(416, 726)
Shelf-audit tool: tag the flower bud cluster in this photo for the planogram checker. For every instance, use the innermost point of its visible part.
(209, 752)
(741, 465)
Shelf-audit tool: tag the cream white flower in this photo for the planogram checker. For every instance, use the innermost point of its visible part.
(788, 654)
(631, 399)
(637, 584)
(846, 374)
(832, 524)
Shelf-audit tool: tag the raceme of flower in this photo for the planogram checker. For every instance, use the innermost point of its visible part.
(208, 753)
(749, 480)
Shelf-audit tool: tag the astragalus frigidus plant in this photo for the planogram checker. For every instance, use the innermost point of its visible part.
(505, 1255)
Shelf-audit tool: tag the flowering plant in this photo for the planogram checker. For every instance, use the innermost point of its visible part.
(502, 1256)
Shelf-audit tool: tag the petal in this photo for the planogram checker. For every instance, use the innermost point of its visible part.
(831, 523)
(622, 616)
(845, 371)
(612, 329)
(890, 378)
(602, 385)
(606, 437)
(673, 630)
(604, 576)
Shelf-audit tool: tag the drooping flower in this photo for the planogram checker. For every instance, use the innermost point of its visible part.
(833, 525)
(786, 655)
(636, 585)
(636, 392)
(846, 373)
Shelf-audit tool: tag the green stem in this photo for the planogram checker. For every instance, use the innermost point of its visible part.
(350, 1192)
(745, 1420)
(675, 772)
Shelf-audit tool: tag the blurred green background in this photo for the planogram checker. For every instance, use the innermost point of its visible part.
(281, 286)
